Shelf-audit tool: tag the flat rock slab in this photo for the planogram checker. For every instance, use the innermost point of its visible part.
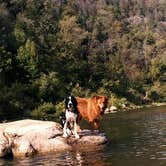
(28, 137)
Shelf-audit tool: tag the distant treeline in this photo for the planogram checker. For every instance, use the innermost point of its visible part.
(50, 48)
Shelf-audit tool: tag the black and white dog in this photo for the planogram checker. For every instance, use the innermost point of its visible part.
(71, 116)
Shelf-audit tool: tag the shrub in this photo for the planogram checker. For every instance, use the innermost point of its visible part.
(79, 91)
(60, 107)
(46, 111)
(120, 103)
(154, 95)
(49, 87)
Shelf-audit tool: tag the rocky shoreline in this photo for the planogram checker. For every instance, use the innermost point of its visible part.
(114, 109)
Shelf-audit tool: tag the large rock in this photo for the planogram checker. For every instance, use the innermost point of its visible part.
(28, 137)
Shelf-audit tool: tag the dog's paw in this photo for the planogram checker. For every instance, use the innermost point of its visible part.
(77, 136)
(65, 135)
(69, 132)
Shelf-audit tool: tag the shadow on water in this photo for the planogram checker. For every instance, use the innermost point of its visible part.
(135, 138)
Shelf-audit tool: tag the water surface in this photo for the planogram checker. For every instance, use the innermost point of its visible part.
(136, 138)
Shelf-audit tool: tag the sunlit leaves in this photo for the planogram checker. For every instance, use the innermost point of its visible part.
(28, 57)
(5, 60)
(70, 31)
(20, 35)
(49, 86)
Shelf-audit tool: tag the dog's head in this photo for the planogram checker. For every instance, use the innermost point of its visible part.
(71, 103)
(101, 102)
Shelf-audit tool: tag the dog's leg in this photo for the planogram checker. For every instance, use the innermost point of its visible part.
(78, 123)
(75, 130)
(96, 124)
(79, 128)
(65, 129)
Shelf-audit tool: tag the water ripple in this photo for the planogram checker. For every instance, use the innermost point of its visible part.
(136, 138)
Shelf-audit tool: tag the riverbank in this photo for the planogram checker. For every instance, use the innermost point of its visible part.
(148, 105)
(114, 109)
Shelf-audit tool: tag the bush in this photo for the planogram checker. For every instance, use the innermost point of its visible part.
(134, 96)
(158, 92)
(120, 103)
(46, 111)
(154, 95)
(15, 101)
(79, 91)
(49, 87)
(60, 107)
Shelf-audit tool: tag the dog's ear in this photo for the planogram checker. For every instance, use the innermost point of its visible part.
(96, 97)
(67, 95)
(66, 101)
(100, 99)
(74, 100)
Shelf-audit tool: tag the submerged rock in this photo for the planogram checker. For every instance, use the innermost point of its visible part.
(28, 137)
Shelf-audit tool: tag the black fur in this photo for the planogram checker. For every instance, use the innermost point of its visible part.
(74, 103)
(62, 117)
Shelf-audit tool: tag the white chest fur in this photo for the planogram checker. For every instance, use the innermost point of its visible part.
(71, 115)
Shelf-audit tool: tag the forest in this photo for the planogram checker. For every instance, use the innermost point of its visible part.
(52, 48)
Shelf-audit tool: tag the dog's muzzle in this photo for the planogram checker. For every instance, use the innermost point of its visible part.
(70, 107)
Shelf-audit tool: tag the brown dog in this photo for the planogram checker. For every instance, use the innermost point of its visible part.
(92, 109)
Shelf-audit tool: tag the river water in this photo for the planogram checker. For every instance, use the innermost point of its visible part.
(136, 138)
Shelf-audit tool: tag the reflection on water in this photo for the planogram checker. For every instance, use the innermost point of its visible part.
(135, 138)
(69, 158)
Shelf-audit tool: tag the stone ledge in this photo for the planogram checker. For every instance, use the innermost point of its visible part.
(28, 137)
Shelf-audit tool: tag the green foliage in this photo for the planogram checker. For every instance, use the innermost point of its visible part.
(5, 60)
(158, 92)
(52, 48)
(46, 111)
(60, 107)
(154, 95)
(118, 102)
(71, 32)
(28, 58)
(49, 87)
(15, 100)
(7, 66)
(19, 35)
(155, 70)
(79, 91)
(134, 96)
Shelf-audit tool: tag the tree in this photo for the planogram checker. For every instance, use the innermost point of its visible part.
(6, 65)
(28, 58)
(71, 33)
(49, 87)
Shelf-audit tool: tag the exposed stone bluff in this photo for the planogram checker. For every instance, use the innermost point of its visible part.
(28, 137)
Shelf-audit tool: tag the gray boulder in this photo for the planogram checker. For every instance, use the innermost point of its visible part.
(28, 137)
